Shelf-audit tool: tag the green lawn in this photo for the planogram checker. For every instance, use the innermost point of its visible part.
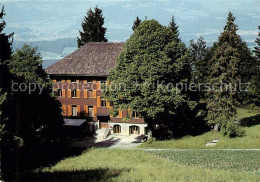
(250, 141)
(168, 165)
(219, 159)
(138, 165)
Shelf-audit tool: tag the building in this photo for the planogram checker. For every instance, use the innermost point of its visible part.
(78, 79)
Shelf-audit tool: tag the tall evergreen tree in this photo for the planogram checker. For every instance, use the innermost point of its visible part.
(199, 53)
(6, 136)
(175, 29)
(136, 23)
(257, 47)
(37, 115)
(255, 83)
(224, 79)
(93, 30)
(151, 61)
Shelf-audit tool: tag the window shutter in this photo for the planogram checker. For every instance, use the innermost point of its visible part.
(129, 113)
(69, 93)
(63, 93)
(78, 110)
(85, 110)
(63, 81)
(108, 104)
(78, 93)
(54, 80)
(68, 81)
(85, 94)
(120, 114)
(69, 110)
(64, 110)
(98, 85)
(95, 110)
(77, 81)
(94, 94)
(98, 101)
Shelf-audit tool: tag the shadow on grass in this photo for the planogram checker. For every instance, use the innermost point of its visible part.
(47, 155)
(250, 121)
(102, 174)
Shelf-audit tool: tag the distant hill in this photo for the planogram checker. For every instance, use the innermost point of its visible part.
(49, 62)
(56, 46)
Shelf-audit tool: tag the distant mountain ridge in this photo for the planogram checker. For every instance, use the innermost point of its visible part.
(55, 46)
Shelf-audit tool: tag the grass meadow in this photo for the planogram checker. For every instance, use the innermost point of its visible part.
(251, 124)
(138, 165)
(143, 164)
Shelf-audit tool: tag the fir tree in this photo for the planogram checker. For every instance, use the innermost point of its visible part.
(93, 30)
(224, 79)
(136, 23)
(255, 83)
(150, 61)
(175, 29)
(199, 53)
(257, 47)
(2, 24)
(6, 136)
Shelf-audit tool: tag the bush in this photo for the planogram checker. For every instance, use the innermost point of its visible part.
(151, 140)
(232, 130)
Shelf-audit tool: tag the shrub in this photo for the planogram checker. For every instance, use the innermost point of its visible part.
(232, 130)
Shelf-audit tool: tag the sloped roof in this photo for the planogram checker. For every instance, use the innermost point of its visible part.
(92, 59)
(74, 122)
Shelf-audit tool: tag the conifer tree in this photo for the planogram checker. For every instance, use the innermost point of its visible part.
(199, 53)
(148, 69)
(224, 80)
(175, 29)
(255, 84)
(136, 23)
(93, 30)
(6, 137)
(257, 47)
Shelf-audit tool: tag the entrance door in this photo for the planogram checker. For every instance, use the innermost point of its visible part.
(103, 121)
(117, 129)
(134, 130)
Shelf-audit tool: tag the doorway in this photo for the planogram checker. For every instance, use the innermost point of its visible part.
(134, 130)
(117, 129)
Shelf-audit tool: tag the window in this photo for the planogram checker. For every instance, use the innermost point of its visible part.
(117, 128)
(90, 111)
(59, 93)
(74, 93)
(74, 111)
(90, 94)
(116, 114)
(134, 130)
(135, 115)
(103, 84)
(111, 103)
(103, 103)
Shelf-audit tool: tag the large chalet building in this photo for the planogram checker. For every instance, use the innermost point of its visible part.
(77, 81)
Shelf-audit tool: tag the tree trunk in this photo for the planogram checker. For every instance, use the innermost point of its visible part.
(216, 127)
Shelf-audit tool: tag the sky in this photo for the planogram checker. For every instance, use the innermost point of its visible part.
(34, 20)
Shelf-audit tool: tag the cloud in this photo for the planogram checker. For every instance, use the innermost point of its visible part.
(185, 13)
(220, 18)
(247, 32)
(136, 5)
